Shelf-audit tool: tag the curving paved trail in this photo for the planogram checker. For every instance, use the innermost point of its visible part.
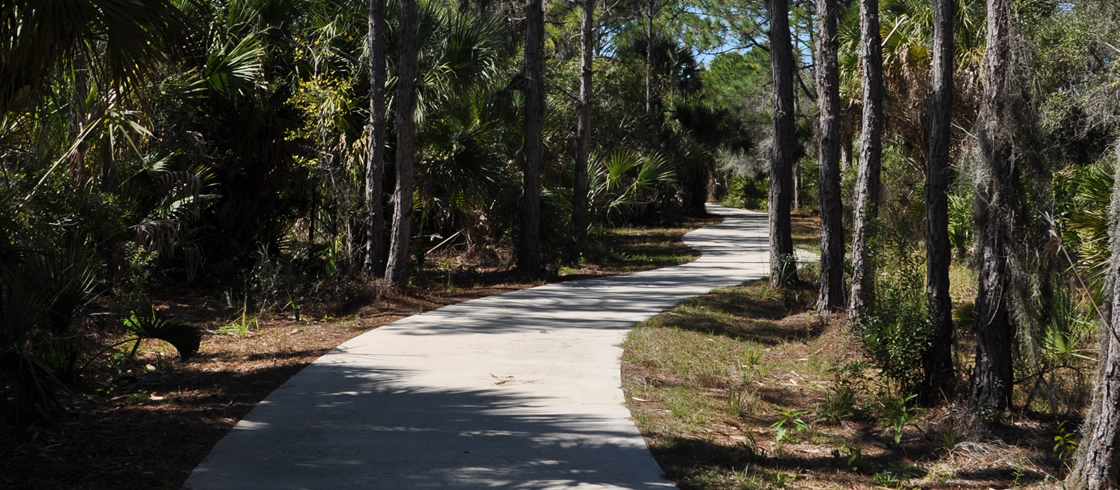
(519, 390)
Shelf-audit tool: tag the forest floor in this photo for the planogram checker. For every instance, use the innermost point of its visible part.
(706, 382)
(146, 422)
(747, 387)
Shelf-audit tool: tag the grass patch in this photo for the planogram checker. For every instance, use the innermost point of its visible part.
(806, 231)
(746, 388)
(630, 249)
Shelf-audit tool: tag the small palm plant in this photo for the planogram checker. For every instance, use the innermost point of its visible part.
(625, 180)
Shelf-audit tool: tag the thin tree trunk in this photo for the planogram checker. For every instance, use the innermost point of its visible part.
(996, 202)
(832, 219)
(649, 56)
(783, 264)
(847, 135)
(583, 132)
(938, 360)
(870, 159)
(1097, 460)
(397, 269)
(529, 252)
(375, 156)
(796, 172)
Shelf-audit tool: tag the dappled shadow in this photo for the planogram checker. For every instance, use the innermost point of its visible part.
(733, 252)
(682, 457)
(783, 395)
(362, 427)
(412, 403)
(1003, 473)
(200, 412)
(765, 332)
(740, 305)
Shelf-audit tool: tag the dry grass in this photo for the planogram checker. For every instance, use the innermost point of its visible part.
(145, 423)
(708, 381)
(806, 231)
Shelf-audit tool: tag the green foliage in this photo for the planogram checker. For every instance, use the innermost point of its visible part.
(896, 475)
(184, 337)
(41, 297)
(749, 192)
(895, 329)
(960, 224)
(241, 327)
(1082, 196)
(624, 183)
(1065, 443)
(852, 458)
(843, 399)
(787, 418)
(897, 415)
(781, 479)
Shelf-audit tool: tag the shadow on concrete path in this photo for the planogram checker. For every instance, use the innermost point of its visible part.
(519, 390)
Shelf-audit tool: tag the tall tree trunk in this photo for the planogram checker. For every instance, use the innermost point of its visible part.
(649, 56)
(938, 360)
(796, 172)
(529, 252)
(397, 269)
(996, 203)
(375, 156)
(832, 220)
(870, 159)
(847, 134)
(1097, 460)
(783, 264)
(583, 132)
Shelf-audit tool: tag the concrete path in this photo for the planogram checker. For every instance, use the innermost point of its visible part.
(519, 390)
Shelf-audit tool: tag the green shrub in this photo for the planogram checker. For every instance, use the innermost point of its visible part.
(896, 330)
(843, 400)
(751, 192)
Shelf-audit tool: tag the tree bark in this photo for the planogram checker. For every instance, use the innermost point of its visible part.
(529, 251)
(937, 364)
(783, 264)
(870, 159)
(831, 295)
(583, 132)
(397, 269)
(847, 134)
(996, 202)
(1097, 460)
(649, 56)
(375, 155)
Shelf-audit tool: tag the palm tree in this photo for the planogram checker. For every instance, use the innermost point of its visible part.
(37, 34)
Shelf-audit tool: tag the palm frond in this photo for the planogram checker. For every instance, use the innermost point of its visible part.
(184, 337)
